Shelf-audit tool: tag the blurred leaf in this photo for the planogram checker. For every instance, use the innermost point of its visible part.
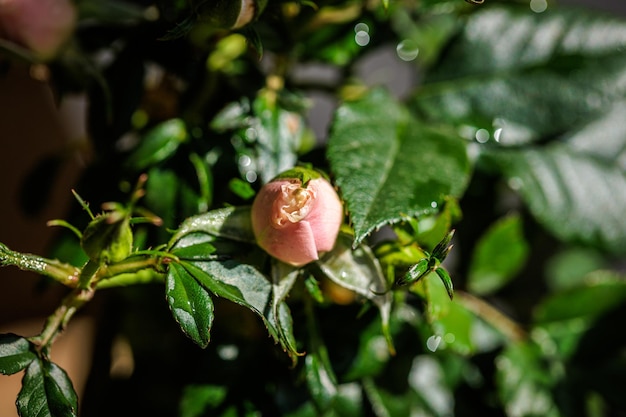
(47, 392)
(320, 377)
(530, 74)
(197, 399)
(389, 167)
(498, 256)
(583, 302)
(15, 353)
(269, 141)
(569, 268)
(204, 177)
(358, 270)
(433, 228)
(453, 324)
(111, 12)
(191, 305)
(159, 144)
(241, 188)
(565, 189)
(424, 36)
(524, 382)
(395, 404)
(373, 353)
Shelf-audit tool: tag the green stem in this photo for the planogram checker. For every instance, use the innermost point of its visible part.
(86, 284)
(491, 315)
(63, 273)
(58, 321)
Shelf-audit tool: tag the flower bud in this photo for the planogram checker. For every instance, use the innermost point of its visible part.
(42, 26)
(297, 216)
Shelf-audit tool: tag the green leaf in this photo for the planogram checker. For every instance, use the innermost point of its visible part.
(358, 270)
(198, 399)
(389, 167)
(46, 392)
(15, 353)
(446, 281)
(524, 382)
(231, 223)
(320, 377)
(400, 404)
(453, 325)
(499, 254)
(270, 139)
(583, 301)
(570, 267)
(284, 277)
(190, 304)
(234, 274)
(566, 191)
(373, 353)
(241, 188)
(160, 143)
(524, 76)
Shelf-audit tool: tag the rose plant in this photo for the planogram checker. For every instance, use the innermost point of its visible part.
(340, 208)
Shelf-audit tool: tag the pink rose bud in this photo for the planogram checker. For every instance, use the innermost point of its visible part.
(39, 25)
(297, 216)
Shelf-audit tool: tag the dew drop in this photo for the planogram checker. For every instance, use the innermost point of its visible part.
(497, 133)
(361, 27)
(538, 6)
(251, 133)
(244, 160)
(362, 38)
(228, 352)
(482, 135)
(432, 343)
(515, 183)
(251, 176)
(407, 50)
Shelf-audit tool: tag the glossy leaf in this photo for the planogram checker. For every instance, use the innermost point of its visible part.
(190, 304)
(231, 223)
(498, 256)
(565, 189)
(15, 353)
(389, 167)
(529, 74)
(47, 392)
(230, 275)
(359, 271)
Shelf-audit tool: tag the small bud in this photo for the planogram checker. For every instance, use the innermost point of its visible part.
(295, 219)
(42, 26)
(108, 238)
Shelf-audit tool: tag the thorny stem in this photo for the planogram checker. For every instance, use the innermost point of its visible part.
(58, 321)
(90, 275)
